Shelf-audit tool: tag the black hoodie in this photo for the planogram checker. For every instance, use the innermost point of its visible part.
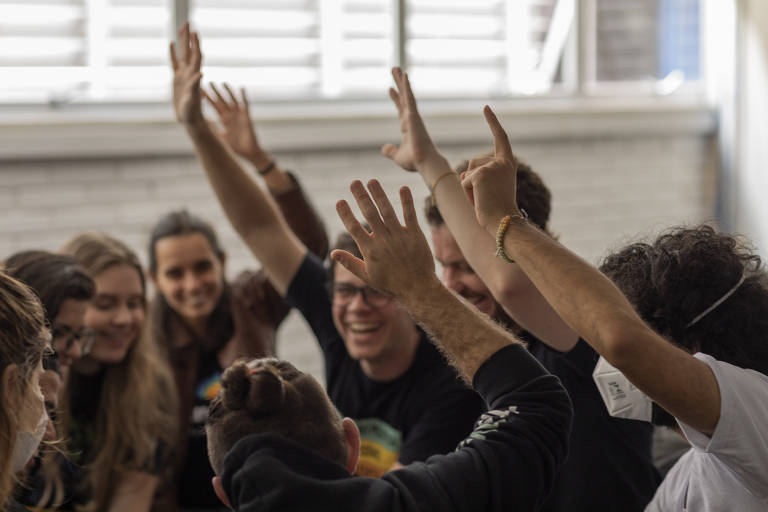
(508, 463)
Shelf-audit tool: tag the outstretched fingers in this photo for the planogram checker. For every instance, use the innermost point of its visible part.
(382, 202)
(367, 208)
(501, 144)
(231, 95)
(409, 211)
(174, 59)
(197, 55)
(220, 99)
(212, 101)
(358, 234)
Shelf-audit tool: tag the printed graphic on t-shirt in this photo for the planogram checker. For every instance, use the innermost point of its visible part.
(209, 387)
(488, 422)
(380, 445)
(207, 390)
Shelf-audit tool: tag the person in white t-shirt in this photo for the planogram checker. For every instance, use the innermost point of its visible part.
(727, 470)
(682, 330)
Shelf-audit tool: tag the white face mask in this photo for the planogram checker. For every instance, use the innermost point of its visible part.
(27, 444)
(621, 397)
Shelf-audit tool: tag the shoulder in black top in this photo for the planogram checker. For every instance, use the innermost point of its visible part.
(507, 463)
(426, 411)
(609, 465)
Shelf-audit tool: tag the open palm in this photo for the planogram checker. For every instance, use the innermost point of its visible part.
(186, 77)
(416, 147)
(235, 120)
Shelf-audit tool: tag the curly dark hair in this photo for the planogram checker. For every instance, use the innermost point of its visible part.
(683, 272)
(532, 195)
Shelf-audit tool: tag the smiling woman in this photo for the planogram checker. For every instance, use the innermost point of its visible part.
(207, 323)
(120, 402)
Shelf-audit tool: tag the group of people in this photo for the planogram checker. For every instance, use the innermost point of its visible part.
(525, 379)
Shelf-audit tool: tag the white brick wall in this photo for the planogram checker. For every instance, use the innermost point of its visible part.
(605, 191)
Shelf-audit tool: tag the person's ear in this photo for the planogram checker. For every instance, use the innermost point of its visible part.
(352, 438)
(219, 490)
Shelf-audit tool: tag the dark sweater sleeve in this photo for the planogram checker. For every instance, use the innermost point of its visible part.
(303, 219)
(510, 459)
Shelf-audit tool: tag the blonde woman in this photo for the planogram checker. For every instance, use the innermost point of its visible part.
(120, 400)
(23, 339)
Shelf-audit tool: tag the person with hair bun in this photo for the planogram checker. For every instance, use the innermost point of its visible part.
(205, 321)
(276, 442)
(24, 338)
(380, 368)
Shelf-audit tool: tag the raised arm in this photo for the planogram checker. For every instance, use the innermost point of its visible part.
(591, 304)
(508, 284)
(238, 133)
(252, 213)
(510, 460)
(397, 260)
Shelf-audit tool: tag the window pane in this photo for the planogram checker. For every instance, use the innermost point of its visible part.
(641, 40)
(60, 51)
(486, 47)
(310, 49)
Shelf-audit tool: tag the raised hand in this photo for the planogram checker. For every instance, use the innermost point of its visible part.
(236, 122)
(491, 184)
(416, 148)
(186, 77)
(396, 258)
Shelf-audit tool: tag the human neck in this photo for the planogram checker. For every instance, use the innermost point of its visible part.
(395, 363)
(196, 325)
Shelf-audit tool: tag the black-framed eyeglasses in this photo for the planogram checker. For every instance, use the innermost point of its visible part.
(69, 337)
(343, 293)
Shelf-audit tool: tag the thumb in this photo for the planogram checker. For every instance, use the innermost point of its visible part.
(351, 263)
(466, 184)
(389, 151)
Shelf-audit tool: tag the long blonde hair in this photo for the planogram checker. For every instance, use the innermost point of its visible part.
(23, 339)
(138, 403)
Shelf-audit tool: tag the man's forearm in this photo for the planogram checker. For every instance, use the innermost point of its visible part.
(466, 336)
(580, 294)
(506, 282)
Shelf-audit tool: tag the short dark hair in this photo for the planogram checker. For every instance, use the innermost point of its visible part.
(270, 396)
(53, 277)
(673, 279)
(532, 195)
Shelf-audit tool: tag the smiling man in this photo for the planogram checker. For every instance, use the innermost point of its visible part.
(380, 368)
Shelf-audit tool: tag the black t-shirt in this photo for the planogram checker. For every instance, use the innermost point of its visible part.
(609, 465)
(195, 489)
(425, 411)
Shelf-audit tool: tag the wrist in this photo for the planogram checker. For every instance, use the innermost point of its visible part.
(432, 168)
(197, 126)
(422, 291)
(260, 159)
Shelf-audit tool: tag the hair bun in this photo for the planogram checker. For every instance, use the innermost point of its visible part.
(260, 391)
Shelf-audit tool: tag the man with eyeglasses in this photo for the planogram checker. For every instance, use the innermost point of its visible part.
(380, 368)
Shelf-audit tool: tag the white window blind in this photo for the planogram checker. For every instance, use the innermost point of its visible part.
(59, 51)
(486, 47)
(297, 48)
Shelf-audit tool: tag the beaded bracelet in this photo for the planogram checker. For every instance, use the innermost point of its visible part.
(503, 226)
